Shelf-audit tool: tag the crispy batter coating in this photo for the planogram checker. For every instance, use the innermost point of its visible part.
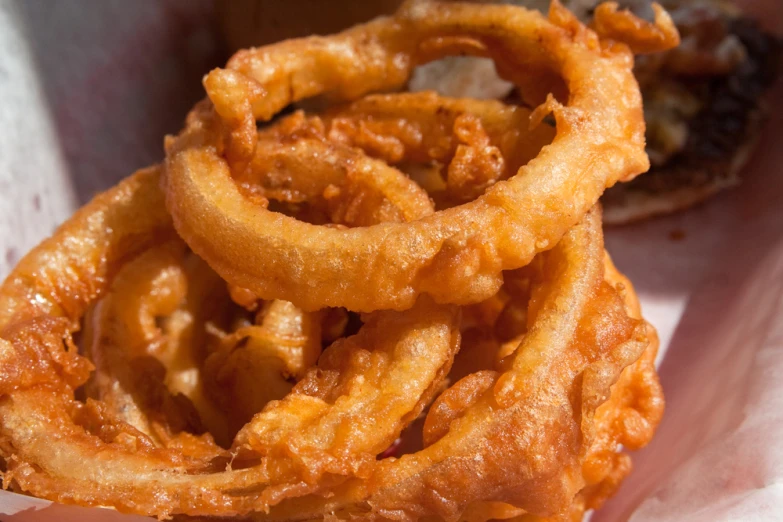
(542, 400)
(223, 371)
(345, 410)
(599, 140)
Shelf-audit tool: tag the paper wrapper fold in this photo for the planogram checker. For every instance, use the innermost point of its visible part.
(88, 90)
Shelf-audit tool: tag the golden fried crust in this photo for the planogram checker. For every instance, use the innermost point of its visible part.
(236, 393)
(446, 255)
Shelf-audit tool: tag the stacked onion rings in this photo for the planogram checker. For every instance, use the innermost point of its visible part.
(243, 331)
(599, 140)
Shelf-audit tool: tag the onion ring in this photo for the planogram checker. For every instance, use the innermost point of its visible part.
(353, 189)
(449, 255)
(522, 439)
(482, 141)
(259, 363)
(170, 484)
(131, 354)
(557, 365)
(82, 454)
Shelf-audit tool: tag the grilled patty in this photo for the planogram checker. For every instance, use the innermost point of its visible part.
(702, 121)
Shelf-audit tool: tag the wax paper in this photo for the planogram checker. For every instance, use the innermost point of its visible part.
(88, 88)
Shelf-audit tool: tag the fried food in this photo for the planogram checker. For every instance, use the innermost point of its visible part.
(397, 308)
(72, 443)
(484, 435)
(94, 453)
(705, 102)
(599, 140)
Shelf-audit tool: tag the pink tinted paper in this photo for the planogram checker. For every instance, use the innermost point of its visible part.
(82, 115)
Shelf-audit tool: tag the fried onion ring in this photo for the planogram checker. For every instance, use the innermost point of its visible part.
(83, 446)
(81, 453)
(448, 255)
(223, 370)
(145, 373)
(525, 436)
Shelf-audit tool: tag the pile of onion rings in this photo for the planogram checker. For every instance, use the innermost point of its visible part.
(397, 307)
